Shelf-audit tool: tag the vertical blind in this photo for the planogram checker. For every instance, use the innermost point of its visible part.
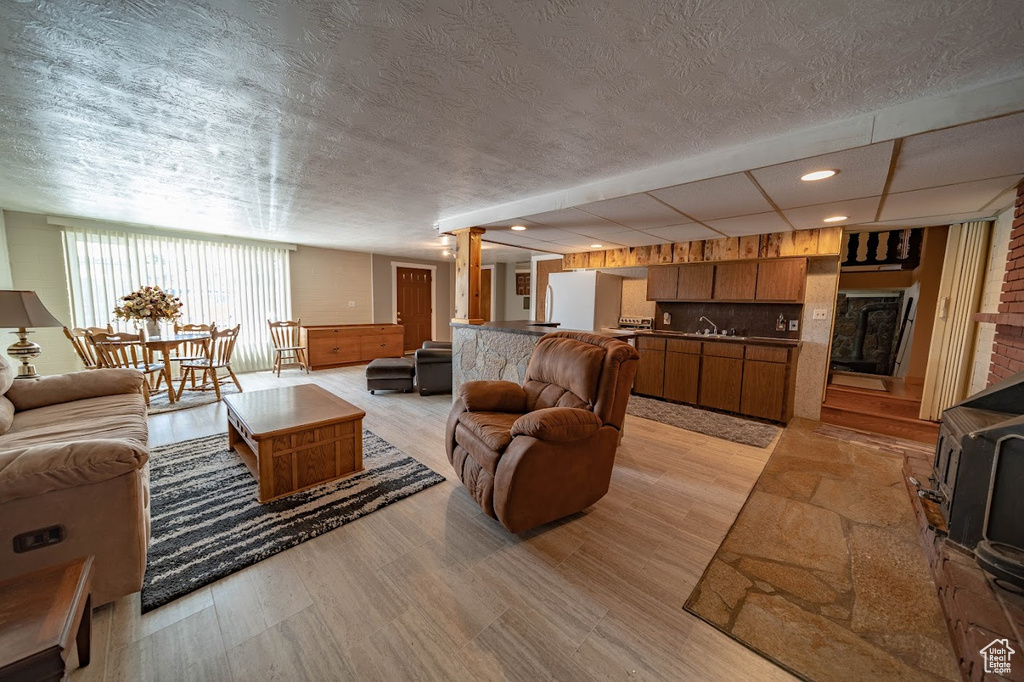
(223, 283)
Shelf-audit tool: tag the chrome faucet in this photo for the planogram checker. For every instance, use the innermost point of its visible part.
(704, 319)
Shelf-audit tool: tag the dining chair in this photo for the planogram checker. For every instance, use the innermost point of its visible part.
(125, 351)
(82, 343)
(218, 356)
(287, 345)
(192, 350)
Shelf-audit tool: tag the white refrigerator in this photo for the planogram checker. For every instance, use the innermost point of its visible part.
(585, 300)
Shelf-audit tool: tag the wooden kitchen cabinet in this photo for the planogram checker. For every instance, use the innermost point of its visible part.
(720, 382)
(336, 345)
(650, 372)
(781, 280)
(695, 282)
(764, 389)
(735, 281)
(661, 282)
(682, 376)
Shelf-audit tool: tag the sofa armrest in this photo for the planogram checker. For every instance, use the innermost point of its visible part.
(559, 424)
(38, 469)
(29, 394)
(433, 356)
(492, 396)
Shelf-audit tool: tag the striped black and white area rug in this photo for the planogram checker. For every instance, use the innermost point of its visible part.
(207, 524)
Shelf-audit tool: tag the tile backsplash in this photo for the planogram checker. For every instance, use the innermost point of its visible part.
(748, 319)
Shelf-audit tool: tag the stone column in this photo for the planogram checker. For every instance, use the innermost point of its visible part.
(467, 275)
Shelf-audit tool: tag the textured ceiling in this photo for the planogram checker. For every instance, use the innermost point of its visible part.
(358, 124)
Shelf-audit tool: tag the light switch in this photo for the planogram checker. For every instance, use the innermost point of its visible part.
(821, 313)
(351, 304)
(666, 318)
(794, 325)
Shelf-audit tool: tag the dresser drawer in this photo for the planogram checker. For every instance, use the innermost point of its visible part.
(333, 350)
(381, 346)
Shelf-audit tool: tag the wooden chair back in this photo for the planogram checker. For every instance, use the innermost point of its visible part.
(193, 349)
(83, 345)
(109, 329)
(285, 333)
(222, 345)
(120, 350)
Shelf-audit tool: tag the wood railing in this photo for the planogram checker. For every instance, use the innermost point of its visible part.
(883, 247)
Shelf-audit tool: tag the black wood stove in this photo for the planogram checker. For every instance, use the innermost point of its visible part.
(979, 476)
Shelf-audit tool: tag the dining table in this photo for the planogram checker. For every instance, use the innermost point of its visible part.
(168, 342)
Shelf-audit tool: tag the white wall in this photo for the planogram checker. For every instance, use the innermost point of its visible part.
(37, 264)
(514, 304)
(634, 292)
(995, 271)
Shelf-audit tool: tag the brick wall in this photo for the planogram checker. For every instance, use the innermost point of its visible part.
(1008, 351)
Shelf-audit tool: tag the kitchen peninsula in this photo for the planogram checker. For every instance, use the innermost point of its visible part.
(497, 350)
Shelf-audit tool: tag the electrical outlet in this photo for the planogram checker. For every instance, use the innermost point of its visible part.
(351, 304)
(794, 325)
(821, 313)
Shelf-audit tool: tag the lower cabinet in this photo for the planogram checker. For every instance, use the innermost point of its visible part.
(682, 377)
(764, 389)
(754, 380)
(333, 346)
(720, 380)
(650, 372)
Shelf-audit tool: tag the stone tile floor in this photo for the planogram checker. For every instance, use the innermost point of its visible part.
(823, 571)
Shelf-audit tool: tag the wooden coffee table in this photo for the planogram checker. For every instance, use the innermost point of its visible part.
(295, 437)
(40, 613)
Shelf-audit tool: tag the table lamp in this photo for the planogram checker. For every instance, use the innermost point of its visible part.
(23, 309)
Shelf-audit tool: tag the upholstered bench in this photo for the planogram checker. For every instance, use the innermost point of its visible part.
(394, 374)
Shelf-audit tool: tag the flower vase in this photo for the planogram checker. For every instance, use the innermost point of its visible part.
(152, 328)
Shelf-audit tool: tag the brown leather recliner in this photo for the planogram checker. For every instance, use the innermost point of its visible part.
(534, 453)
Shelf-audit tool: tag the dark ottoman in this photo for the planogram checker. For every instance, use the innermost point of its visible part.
(393, 374)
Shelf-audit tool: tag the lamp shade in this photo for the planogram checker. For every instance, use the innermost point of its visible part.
(24, 309)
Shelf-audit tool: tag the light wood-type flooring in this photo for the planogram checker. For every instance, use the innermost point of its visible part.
(431, 588)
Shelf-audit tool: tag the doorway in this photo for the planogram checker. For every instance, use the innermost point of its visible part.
(413, 305)
(487, 292)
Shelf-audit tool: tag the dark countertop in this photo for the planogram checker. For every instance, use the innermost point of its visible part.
(749, 340)
(533, 328)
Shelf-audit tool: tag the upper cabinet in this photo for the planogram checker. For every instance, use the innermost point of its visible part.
(781, 280)
(696, 282)
(735, 281)
(661, 283)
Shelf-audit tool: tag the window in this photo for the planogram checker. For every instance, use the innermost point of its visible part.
(228, 283)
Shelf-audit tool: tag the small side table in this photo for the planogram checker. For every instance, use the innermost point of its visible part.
(40, 612)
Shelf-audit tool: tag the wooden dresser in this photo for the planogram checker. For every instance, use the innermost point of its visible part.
(350, 344)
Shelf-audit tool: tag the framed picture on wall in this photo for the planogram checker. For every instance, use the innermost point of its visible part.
(522, 284)
(526, 303)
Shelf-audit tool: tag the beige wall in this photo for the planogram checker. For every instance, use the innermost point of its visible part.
(812, 368)
(383, 309)
(634, 292)
(330, 286)
(37, 264)
(999, 248)
(513, 303)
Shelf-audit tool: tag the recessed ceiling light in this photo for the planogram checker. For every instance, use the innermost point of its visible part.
(836, 218)
(597, 246)
(818, 175)
(444, 240)
(519, 228)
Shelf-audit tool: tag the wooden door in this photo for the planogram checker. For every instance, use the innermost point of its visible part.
(735, 281)
(414, 287)
(720, 380)
(696, 282)
(650, 372)
(682, 376)
(544, 268)
(781, 280)
(485, 294)
(661, 283)
(764, 389)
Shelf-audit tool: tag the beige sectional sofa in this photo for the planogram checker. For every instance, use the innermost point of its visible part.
(73, 453)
